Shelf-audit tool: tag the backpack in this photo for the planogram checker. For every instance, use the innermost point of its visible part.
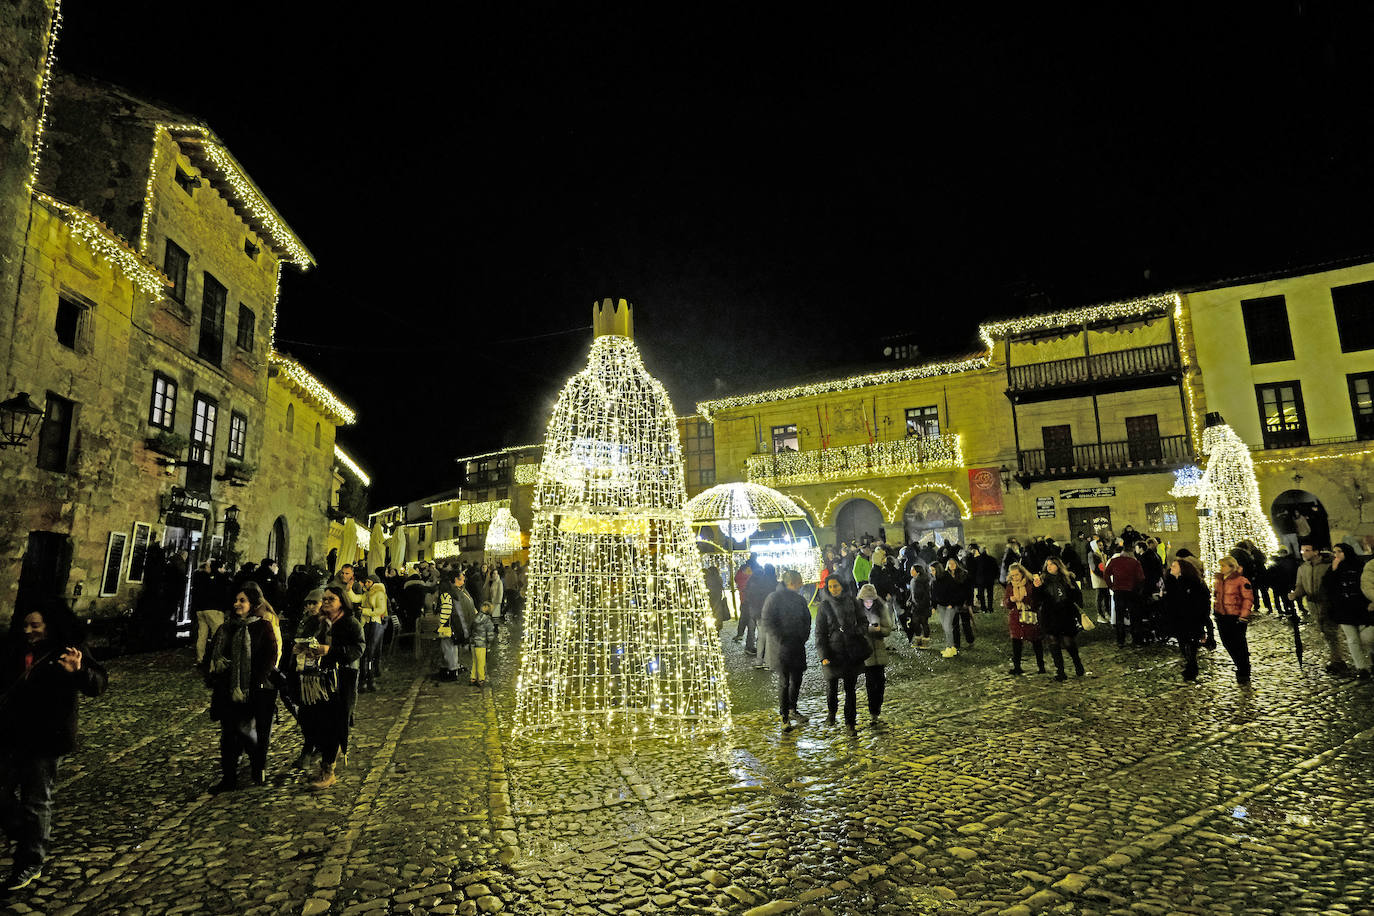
(852, 647)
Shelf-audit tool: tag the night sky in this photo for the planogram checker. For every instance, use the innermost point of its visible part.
(773, 194)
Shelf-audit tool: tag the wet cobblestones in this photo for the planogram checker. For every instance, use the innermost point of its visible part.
(1122, 792)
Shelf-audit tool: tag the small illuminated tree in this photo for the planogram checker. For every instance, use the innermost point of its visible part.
(620, 640)
(1228, 500)
(503, 535)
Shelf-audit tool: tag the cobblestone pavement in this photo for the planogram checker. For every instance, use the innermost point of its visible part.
(1125, 791)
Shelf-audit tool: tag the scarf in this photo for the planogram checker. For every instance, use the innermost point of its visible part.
(238, 637)
(1018, 594)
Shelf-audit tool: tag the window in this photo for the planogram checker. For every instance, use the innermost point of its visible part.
(421, 539)
(202, 444)
(247, 328)
(290, 418)
(1266, 329)
(55, 435)
(1362, 403)
(1161, 516)
(317, 435)
(1142, 438)
(923, 421)
(163, 409)
(785, 439)
(70, 317)
(238, 434)
(1282, 419)
(1058, 443)
(186, 182)
(174, 264)
(212, 301)
(1354, 306)
(250, 249)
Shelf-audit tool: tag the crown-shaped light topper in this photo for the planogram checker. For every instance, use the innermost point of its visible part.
(613, 317)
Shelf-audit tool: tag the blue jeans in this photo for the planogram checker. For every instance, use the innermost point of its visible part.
(26, 783)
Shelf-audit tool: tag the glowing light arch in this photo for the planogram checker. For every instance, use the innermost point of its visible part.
(827, 518)
(899, 504)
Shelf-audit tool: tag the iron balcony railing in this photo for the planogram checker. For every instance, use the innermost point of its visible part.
(915, 455)
(1105, 457)
(1141, 362)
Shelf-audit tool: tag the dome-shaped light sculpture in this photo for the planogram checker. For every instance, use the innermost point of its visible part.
(503, 535)
(620, 640)
(734, 520)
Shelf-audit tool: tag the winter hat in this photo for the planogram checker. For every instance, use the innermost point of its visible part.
(879, 556)
(868, 592)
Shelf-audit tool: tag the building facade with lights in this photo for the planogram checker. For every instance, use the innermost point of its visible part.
(147, 294)
(1288, 361)
(1067, 422)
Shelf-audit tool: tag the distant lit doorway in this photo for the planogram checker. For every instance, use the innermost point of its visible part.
(1300, 518)
(857, 518)
(932, 517)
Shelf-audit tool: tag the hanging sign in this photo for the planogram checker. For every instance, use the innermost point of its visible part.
(1088, 493)
(1044, 507)
(985, 491)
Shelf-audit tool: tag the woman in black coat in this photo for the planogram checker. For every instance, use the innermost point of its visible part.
(1348, 607)
(45, 664)
(1060, 602)
(839, 616)
(238, 671)
(1188, 604)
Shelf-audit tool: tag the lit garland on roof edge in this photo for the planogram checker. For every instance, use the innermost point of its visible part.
(1228, 499)
(620, 640)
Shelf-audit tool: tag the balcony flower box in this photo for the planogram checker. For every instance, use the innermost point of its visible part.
(168, 444)
(237, 473)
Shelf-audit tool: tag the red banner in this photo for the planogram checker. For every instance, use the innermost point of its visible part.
(985, 491)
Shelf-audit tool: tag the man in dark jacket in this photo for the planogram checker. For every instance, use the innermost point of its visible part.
(761, 585)
(45, 664)
(786, 627)
(982, 571)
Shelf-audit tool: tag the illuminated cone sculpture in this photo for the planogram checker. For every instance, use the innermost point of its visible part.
(1228, 500)
(620, 640)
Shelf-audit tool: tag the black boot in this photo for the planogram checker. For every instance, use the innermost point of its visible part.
(1077, 663)
(1017, 648)
(1039, 648)
(1058, 663)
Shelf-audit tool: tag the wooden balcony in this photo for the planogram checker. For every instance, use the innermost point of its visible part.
(1118, 370)
(1103, 459)
(902, 457)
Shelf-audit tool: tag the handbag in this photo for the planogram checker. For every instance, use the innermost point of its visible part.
(1085, 621)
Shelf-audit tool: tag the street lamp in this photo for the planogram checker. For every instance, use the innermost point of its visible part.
(18, 420)
(1006, 477)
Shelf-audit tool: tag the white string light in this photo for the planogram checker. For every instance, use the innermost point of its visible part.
(1228, 500)
(913, 455)
(352, 466)
(103, 241)
(620, 640)
(739, 510)
(312, 388)
(503, 534)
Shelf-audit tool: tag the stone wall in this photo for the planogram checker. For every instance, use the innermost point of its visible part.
(24, 30)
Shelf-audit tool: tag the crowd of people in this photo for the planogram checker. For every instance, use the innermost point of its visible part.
(326, 646)
(1050, 593)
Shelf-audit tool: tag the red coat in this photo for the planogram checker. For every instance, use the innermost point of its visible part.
(1017, 628)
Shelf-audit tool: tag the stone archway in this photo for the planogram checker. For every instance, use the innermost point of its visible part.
(277, 542)
(856, 518)
(1299, 517)
(932, 516)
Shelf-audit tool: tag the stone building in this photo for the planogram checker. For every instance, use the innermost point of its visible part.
(143, 326)
(27, 34)
(1067, 422)
(1287, 359)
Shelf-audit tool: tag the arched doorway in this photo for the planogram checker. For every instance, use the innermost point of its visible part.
(277, 542)
(855, 519)
(1299, 517)
(932, 516)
